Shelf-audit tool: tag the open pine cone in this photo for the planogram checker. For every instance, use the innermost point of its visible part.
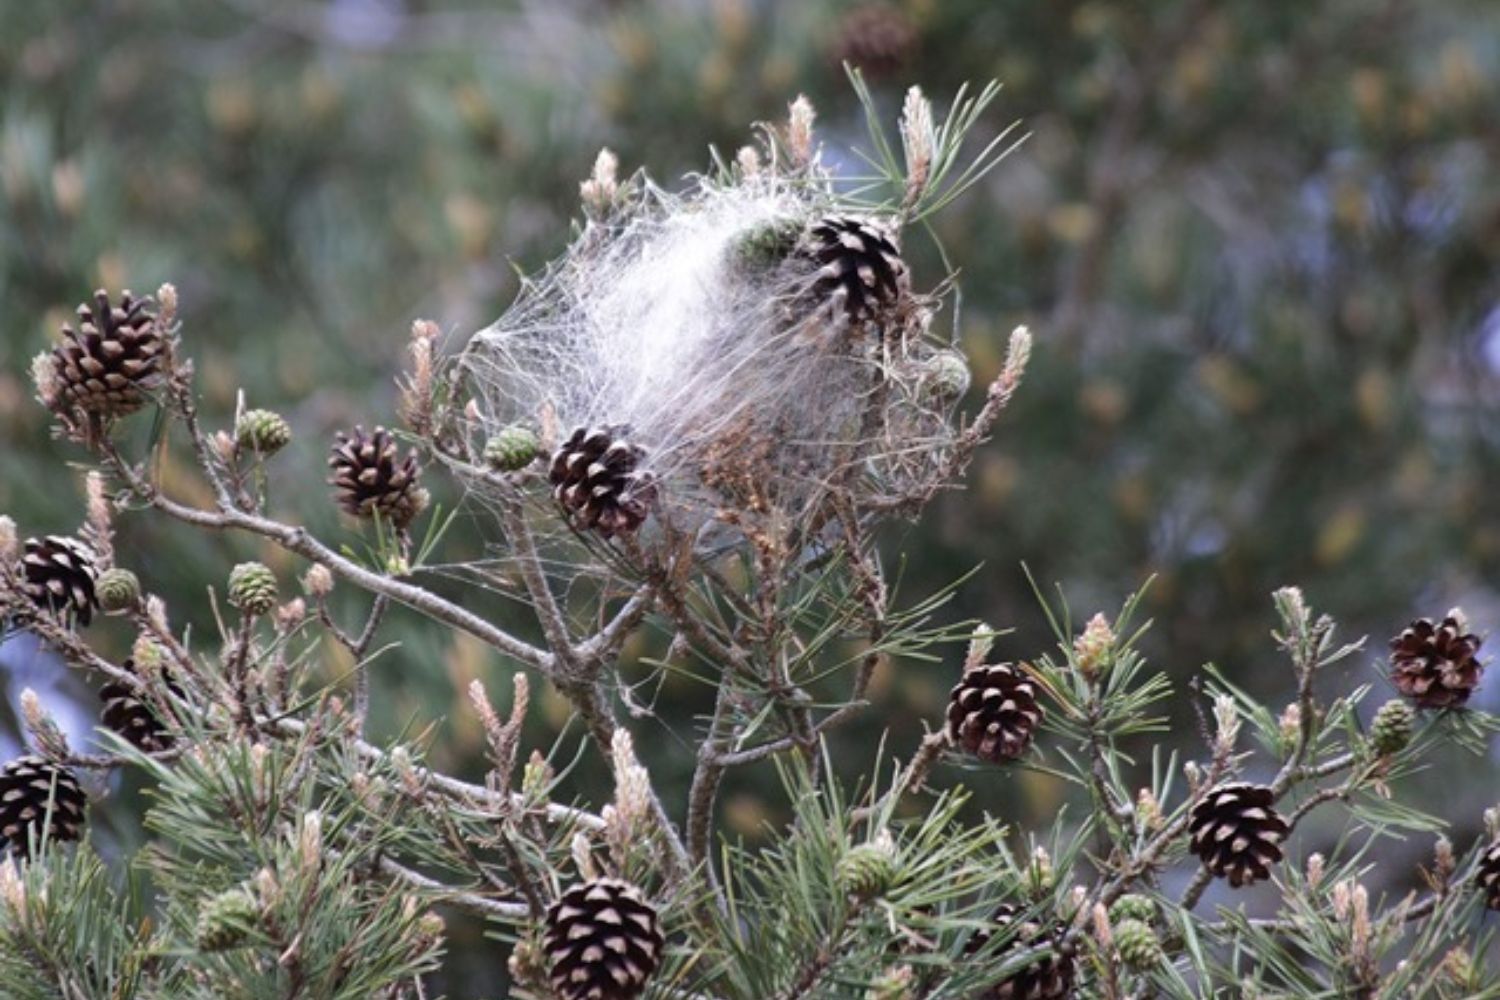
(993, 712)
(1436, 665)
(861, 276)
(1488, 876)
(109, 363)
(1237, 832)
(603, 941)
(1049, 978)
(372, 478)
(37, 795)
(125, 713)
(596, 476)
(60, 575)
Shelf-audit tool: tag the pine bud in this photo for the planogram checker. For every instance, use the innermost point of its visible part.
(1148, 810)
(894, 983)
(43, 727)
(318, 581)
(9, 541)
(1227, 716)
(118, 590)
(1315, 869)
(945, 377)
(252, 588)
(512, 448)
(227, 921)
(1093, 647)
(869, 870)
(1391, 729)
(536, 777)
(262, 431)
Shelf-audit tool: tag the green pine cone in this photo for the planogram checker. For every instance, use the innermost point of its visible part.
(262, 431)
(118, 590)
(868, 870)
(1391, 730)
(252, 588)
(1133, 906)
(945, 376)
(1138, 946)
(227, 920)
(512, 449)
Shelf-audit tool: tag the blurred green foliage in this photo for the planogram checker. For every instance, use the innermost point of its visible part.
(1259, 243)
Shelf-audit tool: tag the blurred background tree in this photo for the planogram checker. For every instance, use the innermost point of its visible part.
(1259, 244)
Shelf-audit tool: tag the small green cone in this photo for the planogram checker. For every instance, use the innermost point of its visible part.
(1391, 729)
(868, 870)
(262, 431)
(252, 588)
(1138, 946)
(894, 983)
(945, 377)
(226, 921)
(512, 448)
(1132, 906)
(118, 590)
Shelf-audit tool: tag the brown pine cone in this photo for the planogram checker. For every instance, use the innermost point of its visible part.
(1488, 876)
(993, 712)
(602, 941)
(38, 796)
(112, 360)
(1049, 978)
(861, 277)
(1237, 832)
(125, 713)
(371, 478)
(596, 476)
(1436, 666)
(60, 575)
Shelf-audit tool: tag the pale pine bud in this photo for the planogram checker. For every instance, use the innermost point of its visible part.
(1492, 822)
(1315, 868)
(291, 614)
(1341, 900)
(156, 614)
(12, 888)
(1076, 898)
(166, 300)
(632, 794)
(1444, 864)
(980, 645)
(1148, 810)
(43, 728)
(749, 161)
(9, 543)
(224, 445)
(1458, 616)
(894, 983)
(415, 402)
(44, 377)
(917, 141)
(799, 131)
(99, 512)
(1227, 717)
(1290, 725)
(488, 719)
(536, 777)
(583, 856)
(1017, 355)
(1359, 928)
(1040, 871)
(260, 776)
(317, 581)
(1093, 646)
(406, 772)
(602, 187)
(1103, 932)
(267, 888)
(1194, 775)
(310, 842)
(1293, 608)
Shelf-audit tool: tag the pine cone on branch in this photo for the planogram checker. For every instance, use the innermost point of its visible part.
(124, 712)
(1436, 665)
(603, 941)
(993, 712)
(860, 278)
(1048, 978)
(1488, 876)
(37, 797)
(597, 478)
(371, 478)
(60, 576)
(112, 360)
(1237, 832)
